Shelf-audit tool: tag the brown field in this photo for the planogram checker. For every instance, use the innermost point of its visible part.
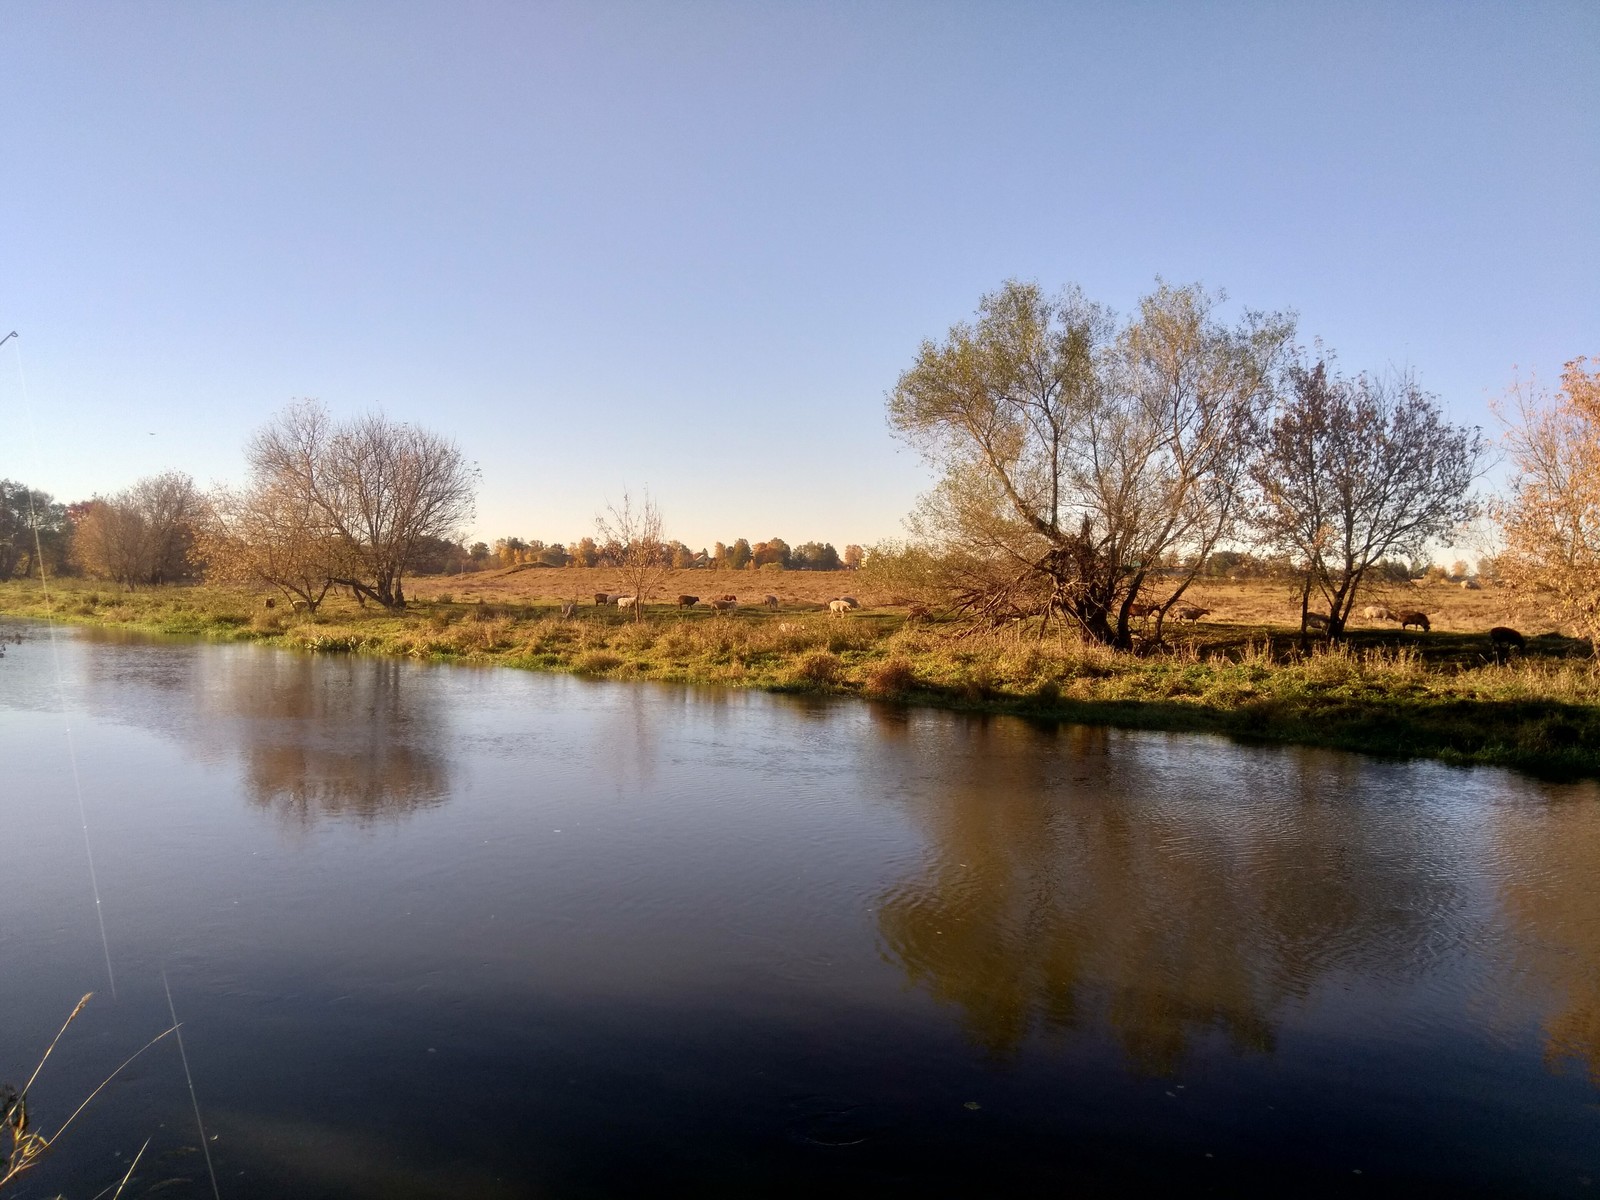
(1450, 607)
(551, 585)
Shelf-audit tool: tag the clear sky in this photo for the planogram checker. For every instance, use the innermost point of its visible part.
(690, 246)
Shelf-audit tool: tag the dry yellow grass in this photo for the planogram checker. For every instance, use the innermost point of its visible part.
(551, 585)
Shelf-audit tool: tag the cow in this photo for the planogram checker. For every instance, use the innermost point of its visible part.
(1503, 640)
(1317, 621)
(851, 601)
(728, 596)
(1189, 612)
(1409, 619)
(1141, 611)
(771, 602)
(569, 607)
(627, 602)
(917, 612)
(1470, 585)
(602, 598)
(271, 603)
(688, 601)
(838, 608)
(725, 604)
(1377, 612)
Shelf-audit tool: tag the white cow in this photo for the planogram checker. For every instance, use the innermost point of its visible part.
(627, 602)
(838, 608)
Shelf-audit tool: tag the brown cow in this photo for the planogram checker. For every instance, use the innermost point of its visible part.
(688, 601)
(1503, 640)
(771, 602)
(1407, 619)
(602, 598)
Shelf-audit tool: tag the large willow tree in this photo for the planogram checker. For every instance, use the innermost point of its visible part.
(1078, 453)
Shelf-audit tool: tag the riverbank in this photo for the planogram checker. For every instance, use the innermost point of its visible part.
(1387, 693)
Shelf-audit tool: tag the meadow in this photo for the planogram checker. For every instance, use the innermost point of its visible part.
(1238, 672)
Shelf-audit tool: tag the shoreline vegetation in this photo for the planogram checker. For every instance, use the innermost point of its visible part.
(1381, 692)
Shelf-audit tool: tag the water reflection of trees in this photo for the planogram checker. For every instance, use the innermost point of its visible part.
(1550, 857)
(1071, 881)
(335, 738)
(317, 737)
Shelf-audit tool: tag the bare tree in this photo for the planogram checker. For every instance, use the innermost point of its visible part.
(376, 489)
(641, 553)
(1078, 453)
(266, 536)
(1551, 520)
(1353, 471)
(144, 534)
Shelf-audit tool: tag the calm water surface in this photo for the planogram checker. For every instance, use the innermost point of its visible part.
(448, 932)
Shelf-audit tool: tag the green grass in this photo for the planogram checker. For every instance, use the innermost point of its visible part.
(1383, 692)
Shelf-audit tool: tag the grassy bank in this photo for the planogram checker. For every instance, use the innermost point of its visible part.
(1385, 692)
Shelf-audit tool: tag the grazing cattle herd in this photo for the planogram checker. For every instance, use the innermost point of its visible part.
(1503, 640)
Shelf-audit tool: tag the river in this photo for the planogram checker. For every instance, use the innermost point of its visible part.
(442, 931)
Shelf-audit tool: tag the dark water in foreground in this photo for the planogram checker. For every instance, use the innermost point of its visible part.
(450, 932)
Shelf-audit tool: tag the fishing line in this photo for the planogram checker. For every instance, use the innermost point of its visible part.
(55, 654)
(193, 1099)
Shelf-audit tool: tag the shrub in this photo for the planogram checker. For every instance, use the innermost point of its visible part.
(597, 662)
(334, 643)
(892, 677)
(979, 685)
(267, 622)
(819, 669)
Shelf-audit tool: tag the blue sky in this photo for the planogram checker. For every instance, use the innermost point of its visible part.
(690, 246)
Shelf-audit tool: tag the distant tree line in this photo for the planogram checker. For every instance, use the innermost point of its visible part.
(740, 555)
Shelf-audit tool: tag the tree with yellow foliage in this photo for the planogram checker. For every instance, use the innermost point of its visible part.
(1551, 520)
